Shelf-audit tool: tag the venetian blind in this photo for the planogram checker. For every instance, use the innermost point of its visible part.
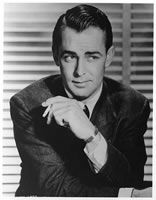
(141, 62)
(27, 57)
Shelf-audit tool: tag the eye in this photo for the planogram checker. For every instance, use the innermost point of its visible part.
(69, 58)
(92, 58)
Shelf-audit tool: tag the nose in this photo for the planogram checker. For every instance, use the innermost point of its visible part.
(80, 68)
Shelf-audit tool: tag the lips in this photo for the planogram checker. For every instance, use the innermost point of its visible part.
(80, 83)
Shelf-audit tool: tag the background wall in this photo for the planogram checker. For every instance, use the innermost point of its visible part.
(27, 57)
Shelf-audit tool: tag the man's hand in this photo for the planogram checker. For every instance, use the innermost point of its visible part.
(147, 192)
(69, 113)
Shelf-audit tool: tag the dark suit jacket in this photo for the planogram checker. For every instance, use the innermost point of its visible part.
(53, 160)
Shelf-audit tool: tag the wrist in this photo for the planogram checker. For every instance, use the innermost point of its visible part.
(93, 136)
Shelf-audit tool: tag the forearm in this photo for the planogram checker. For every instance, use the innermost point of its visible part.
(126, 156)
(107, 160)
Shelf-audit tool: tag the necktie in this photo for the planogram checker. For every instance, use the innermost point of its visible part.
(86, 110)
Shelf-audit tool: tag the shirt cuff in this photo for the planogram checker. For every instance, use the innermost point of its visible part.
(96, 150)
(125, 192)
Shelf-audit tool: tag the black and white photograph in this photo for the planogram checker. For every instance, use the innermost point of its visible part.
(77, 99)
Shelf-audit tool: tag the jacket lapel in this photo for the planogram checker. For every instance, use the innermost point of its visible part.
(55, 85)
(104, 116)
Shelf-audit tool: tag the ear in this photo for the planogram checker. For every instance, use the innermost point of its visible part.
(109, 56)
(57, 62)
(56, 59)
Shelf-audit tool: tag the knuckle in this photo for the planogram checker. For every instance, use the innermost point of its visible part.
(74, 102)
(48, 101)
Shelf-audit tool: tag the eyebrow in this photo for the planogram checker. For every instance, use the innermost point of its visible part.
(88, 52)
(93, 52)
(68, 52)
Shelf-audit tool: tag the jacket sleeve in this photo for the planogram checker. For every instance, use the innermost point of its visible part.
(48, 172)
(126, 155)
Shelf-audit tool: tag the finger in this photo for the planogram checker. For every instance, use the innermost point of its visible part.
(44, 104)
(61, 105)
(50, 115)
(46, 111)
(62, 119)
(81, 104)
(60, 112)
(56, 105)
(53, 100)
(61, 116)
(59, 120)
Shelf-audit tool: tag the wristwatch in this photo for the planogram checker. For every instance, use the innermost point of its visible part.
(91, 138)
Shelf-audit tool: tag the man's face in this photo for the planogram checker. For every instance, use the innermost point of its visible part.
(82, 61)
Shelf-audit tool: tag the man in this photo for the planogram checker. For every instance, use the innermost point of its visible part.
(64, 152)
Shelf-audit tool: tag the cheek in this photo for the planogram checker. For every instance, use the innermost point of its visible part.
(67, 71)
(97, 71)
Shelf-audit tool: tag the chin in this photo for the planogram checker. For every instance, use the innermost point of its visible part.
(80, 95)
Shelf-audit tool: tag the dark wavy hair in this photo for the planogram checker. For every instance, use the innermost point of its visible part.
(80, 18)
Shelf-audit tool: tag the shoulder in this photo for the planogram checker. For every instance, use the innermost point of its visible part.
(34, 94)
(125, 99)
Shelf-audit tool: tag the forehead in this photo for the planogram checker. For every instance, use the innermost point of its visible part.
(92, 38)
